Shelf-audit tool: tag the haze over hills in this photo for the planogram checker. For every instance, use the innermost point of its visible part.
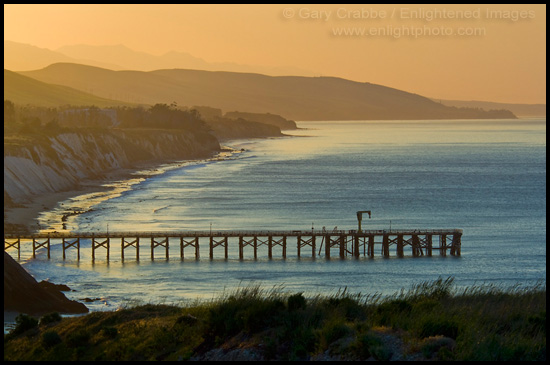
(25, 90)
(25, 57)
(129, 59)
(294, 97)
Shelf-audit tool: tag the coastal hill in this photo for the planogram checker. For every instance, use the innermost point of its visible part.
(25, 90)
(294, 97)
(265, 118)
(520, 110)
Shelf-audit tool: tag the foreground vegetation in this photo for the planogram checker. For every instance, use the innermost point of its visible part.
(432, 320)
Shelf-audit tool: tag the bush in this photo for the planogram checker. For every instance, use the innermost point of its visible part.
(248, 309)
(392, 311)
(109, 332)
(50, 338)
(302, 340)
(261, 314)
(537, 324)
(395, 306)
(367, 345)
(440, 345)
(24, 323)
(296, 301)
(331, 332)
(347, 307)
(438, 327)
(78, 339)
(362, 345)
(50, 318)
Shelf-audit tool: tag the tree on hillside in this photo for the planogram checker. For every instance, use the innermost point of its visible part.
(9, 112)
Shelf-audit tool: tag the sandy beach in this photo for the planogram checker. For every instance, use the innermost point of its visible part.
(45, 212)
(27, 214)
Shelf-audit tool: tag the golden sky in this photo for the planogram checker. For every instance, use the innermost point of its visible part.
(464, 52)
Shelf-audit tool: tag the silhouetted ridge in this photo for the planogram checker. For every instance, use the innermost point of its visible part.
(294, 97)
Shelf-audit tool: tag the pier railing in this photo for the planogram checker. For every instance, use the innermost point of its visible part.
(321, 243)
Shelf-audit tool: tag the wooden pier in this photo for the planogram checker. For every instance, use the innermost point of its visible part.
(308, 243)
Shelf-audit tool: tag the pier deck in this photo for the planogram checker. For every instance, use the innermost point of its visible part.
(312, 243)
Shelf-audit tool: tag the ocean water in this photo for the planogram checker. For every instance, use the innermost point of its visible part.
(487, 177)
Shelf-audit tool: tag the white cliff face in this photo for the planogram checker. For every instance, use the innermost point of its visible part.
(24, 178)
(59, 163)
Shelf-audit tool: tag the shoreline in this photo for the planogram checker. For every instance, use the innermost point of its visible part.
(108, 185)
(52, 211)
(28, 213)
(105, 187)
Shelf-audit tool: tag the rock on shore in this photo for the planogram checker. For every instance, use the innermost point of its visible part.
(22, 293)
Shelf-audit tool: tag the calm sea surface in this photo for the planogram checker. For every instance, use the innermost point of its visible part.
(485, 177)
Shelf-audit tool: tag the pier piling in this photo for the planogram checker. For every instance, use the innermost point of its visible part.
(348, 243)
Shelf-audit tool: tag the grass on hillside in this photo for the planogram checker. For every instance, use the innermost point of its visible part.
(434, 320)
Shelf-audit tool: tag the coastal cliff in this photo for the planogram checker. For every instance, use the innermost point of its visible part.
(41, 164)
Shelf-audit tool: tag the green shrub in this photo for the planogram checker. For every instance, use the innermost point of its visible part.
(50, 318)
(347, 307)
(331, 332)
(261, 314)
(537, 324)
(248, 309)
(24, 323)
(78, 338)
(50, 338)
(296, 301)
(381, 353)
(109, 332)
(395, 306)
(439, 345)
(270, 347)
(438, 327)
(364, 345)
(302, 342)
(392, 310)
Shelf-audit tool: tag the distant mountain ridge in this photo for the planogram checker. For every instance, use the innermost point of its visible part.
(293, 97)
(25, 57)
(128, 59)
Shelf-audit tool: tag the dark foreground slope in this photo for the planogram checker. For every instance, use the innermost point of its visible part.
(295, 97)
(23, 294)
(430, 322)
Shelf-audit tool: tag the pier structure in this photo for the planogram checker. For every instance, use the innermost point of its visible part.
(307, 243)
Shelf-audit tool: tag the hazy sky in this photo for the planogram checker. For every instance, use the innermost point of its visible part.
(465, 52)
